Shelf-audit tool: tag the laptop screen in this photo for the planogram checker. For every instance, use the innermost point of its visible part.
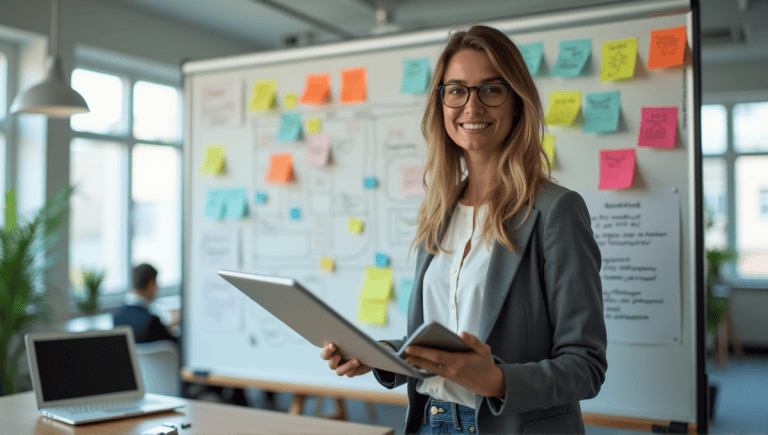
(81, 367)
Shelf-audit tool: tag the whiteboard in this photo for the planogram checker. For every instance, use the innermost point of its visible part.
(230, 336)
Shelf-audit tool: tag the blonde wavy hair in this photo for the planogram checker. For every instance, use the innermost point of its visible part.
(521, 162)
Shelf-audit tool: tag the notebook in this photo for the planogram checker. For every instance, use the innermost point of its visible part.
(83, 377)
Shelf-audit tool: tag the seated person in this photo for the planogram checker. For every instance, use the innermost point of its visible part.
(147, 327)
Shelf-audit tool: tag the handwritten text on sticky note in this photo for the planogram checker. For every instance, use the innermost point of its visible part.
(619, 59)
(564, 108)
(658, 127)
(601, 112)
(617, 168)
(415, 76)
(667, 47)
(572, 58)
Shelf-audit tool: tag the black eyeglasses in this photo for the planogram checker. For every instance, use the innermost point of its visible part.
(491, 94)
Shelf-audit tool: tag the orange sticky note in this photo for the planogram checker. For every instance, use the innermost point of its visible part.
(353, 85)
(317, 89)
(280, 168)
(667, 47)
(617, 168)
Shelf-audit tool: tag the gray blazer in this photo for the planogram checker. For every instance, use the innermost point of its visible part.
(542, 316)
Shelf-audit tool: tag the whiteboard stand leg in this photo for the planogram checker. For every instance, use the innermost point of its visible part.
(297, 404)
(370, 409)
(341, 412)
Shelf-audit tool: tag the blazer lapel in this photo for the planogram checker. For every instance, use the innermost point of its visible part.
(416, 304)
(501, 271)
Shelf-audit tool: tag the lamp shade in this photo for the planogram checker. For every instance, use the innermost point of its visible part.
(53, 97)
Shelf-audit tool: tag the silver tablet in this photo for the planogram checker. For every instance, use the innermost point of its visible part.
(318, 323)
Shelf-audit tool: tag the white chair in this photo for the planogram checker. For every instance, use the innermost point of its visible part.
(159, 367)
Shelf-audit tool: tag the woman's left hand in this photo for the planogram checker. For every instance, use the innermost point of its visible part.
(475, 370)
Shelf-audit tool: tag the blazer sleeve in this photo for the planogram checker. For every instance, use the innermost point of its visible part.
(388, 379)
(577, 364)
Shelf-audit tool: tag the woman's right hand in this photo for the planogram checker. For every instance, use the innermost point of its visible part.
(350, 368)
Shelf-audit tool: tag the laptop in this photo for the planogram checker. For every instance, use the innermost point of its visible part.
(83, 377)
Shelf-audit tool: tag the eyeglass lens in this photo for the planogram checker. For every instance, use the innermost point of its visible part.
(492, 94)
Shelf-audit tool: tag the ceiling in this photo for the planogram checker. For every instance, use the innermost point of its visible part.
(732, 30)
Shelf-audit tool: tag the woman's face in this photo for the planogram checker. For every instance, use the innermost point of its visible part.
(475, 127)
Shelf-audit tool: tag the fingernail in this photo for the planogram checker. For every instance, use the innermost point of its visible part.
(357, 363)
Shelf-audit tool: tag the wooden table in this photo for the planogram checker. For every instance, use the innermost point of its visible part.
(19, 415)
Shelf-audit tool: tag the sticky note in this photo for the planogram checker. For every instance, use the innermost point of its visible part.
(404, 296)
(317, 89)
(572, 58)
(213, 161)
(378, 284)
(318, 150)
(658, 127)
(564, 108)
(326, 264)
(289, 101)
(280, 168)
(382, 260)
(601, 112)
(295, 213)
(370, 183)
(548, 143)
(411, 180)
(667, 47)
(617, 168)
(260, 198)
(355, 226)
(532, 55)
(263, 97)
(372, 312)
(313, 125)
(353, 84)
(214, 204)
(415, 76)
(618, 60)
(236, 203)
(290, 127)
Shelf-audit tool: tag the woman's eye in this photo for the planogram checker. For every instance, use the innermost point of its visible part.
(457, 91)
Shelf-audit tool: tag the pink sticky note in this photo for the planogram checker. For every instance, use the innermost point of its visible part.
(658, 127)
(617, 168)
(410, 180)
(318, 150)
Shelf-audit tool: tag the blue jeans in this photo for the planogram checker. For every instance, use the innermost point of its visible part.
(448, 418)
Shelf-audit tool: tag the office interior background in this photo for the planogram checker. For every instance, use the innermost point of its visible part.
(125, 157)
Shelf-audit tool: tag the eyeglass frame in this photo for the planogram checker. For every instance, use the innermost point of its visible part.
(439, 89)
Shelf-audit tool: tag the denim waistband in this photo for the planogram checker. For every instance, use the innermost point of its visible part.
(449, 412)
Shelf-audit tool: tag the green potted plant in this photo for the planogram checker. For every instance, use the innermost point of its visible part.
(92, 280)
(23, 246)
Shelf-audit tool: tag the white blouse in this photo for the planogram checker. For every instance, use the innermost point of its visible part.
(453, 292)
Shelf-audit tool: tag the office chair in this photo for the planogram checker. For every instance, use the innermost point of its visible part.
(159, 366)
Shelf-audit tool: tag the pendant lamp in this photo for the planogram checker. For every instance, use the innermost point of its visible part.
(53, 97)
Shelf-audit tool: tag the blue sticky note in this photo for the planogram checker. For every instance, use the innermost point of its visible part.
(290, 127)
(261, 197)
(415, 76)
(295, 213)
(572, 58)
(370, 182)
(406, 285)
(601, 112)
(532, 55)
(214, 203)
(236, 203)
(382, 260)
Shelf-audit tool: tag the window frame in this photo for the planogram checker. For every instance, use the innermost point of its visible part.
(131, 70)
(8, 125)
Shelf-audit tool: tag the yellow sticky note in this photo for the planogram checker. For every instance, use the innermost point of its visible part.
(548, 143)
(263, 97)
(326, 264)
(289, 101)
(313, 125)
(618, 59)
(564, 107)
(372, 312)
(378, 284)
(355, 226)
(213, 162)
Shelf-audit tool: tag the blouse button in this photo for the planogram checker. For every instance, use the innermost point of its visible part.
(453, 271)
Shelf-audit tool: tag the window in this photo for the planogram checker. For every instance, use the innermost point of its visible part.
(5, 125)
(764, 203)
(126, 167)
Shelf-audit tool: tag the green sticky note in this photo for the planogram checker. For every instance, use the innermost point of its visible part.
(290, 127)
(415, 76)
(601, 112)
(572, 58)
(214, 203)
(532, 55)
(236, 203)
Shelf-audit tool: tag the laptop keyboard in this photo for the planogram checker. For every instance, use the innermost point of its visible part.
(111, 407)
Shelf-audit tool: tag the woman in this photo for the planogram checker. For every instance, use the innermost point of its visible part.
(506, 259)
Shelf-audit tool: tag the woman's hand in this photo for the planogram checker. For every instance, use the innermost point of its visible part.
(475, 370)
(350, 368)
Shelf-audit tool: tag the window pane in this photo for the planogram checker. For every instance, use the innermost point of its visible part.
(751, 227)
(713, 129)
(2, 177)
(156, 112)
(715, 203)
(104, 95)
(3, 85)
(750, 129)
(156, 194)
(98, 215)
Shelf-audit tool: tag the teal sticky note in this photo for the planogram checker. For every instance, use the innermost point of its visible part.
(370, 182)
(290, 127)
(261, 197)
(532, 55)
(415, 76)
(236, 203)
(295, 213)
(214, 203)
(601, 112)
(382, 260)
(406, 286)
(572, 58)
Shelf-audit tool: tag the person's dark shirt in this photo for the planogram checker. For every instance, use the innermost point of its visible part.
(146, 326)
